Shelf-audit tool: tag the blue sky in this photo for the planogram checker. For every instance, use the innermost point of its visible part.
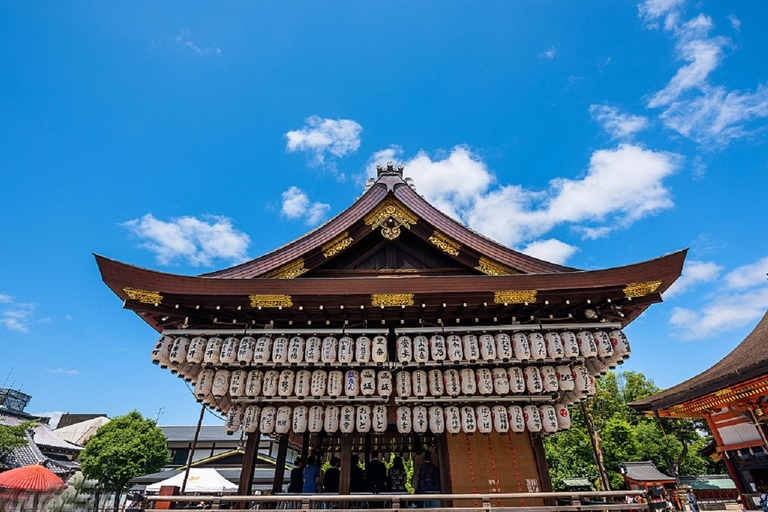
(188, 140)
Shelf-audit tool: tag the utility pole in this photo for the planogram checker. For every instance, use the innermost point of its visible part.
(597, 450)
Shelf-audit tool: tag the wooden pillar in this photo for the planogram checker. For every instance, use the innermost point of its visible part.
(346, 464)
(282, 453)
(444, 467)
(367, 448)
(735, 476)
(545, 482)
(305, 447)
(249, 463)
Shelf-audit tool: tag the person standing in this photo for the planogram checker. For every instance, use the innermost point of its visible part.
(356, 476)
(429, 480)
(331, 476)
(311, 476)
(397, 476)
(376, 474)
(692, 501)
(297, 476)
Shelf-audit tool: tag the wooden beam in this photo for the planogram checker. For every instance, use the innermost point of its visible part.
(444, 467)
(346, 464)
(249, 463)
(545, 480)
(282, 453)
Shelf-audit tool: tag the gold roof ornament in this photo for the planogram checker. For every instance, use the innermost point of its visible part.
(290, 271)
(392, 299)
(515, 296)
(337, 245)
(390, 215)
(634, 290)
(144, 296)
(491, 268)
(271, 301)
(445, 244)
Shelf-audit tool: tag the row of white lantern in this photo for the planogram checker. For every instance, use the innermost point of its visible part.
(419, 383)
(246, 351)
(419, 419)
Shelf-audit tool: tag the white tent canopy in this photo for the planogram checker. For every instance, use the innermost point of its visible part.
(201, 480)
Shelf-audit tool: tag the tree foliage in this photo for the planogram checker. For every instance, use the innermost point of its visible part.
(126, 447)
(627, 436)
(14, 436)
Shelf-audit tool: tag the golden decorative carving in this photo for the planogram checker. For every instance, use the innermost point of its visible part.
(514, 296)
(444, 243)
(641, 289)
(392, 209)
(392, 299)
(270, 301)
(145, 296)
(337, 245)
(289, 271)
(492, 268)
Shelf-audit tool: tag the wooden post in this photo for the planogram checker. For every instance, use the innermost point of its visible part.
(192, 450)
(282, 453)
(541, 463)
(305, 447)
(597, 451)
(367, 447)
(249, 464)
(444, 467)
(346, 464)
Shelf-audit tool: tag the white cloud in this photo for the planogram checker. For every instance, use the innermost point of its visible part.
(184, 39)
(321, 138)
(297, 206)
(735, 22)
(617, 124)
(694, 272)
(549, 53)
(16, 316)
(551, 250)
(651, 10)
(5, 298)
(748, 276)
(196, 241)
(55, 417)
(63, 371)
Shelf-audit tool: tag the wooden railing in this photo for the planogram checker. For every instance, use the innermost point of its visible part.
(552, 501)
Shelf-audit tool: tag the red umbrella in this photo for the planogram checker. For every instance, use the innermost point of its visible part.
(31, 478)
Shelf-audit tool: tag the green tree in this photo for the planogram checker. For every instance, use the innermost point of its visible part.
(14, 436)
(126, 447)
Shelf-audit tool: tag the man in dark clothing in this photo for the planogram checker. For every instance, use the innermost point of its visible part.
(356, 476)
(429, 480)
(297, 476)
(331, 477)
(376, 474)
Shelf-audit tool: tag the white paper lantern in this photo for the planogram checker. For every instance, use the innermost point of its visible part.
(563, 417)
(484, 419)
(403, 384)
(487, 347)
(404, 423)
(379, 349)
(548, 419)
(520, 346)
(280, 350)
(352, 383)
(319, 382)
(303, 383)
(237, 383)
(421, 349)
(296, 350)
(452, 380)
(299, 420)
(346, 349)
(436, 420)
(587, 345)
(178, 354)
(190, 372)
(204, 385)
(379, 418)
(570, 345)
(335, 383)
(604, 345)
(267, 421)
(455, 348)
(162, 351)
(363, 418)
(245, 350)
(452, 420)
(554, 346)
(533, 379)
(315, 421)
(263, 350)
(330, 350)
(435, 381)
(621, 348)
(420, 419)
(468, 383)
(549, 379)
(312, 350)
(500, 381)
(253, 383)
(419, 386)
(504, 347)
(363, 349)
(229, 349)
(196, 350)
(220, 383)
(250, 421)
(269, 384)
(232, 422)
(596, 366)
(331, 421)
(347, 420)
(580, 378)
(471, 347)
(468, 420)
(592, 388)
(538, 346)
(367, 382)
(532, 418)
(516, 419)
(285, 383)
(500, 419)
(516, 380)
(384, 383)
(484, 381)
(437, 347)
(564, 377)
(404, 347)
(283, 420)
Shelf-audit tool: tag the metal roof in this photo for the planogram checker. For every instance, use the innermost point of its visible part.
(208, 434)
(708, 482)
(644, 471)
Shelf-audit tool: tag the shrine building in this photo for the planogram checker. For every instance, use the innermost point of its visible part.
(392, 328)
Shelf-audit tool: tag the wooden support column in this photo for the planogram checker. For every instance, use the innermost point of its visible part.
(545, 482)
(282, 453)
(249, 463)
(346, 464)
(305, 447)
(444, 467)
(367, 447)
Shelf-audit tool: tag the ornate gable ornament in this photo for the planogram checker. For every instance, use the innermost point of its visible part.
(445, 244)
(390, 215)
(392, 299)
(491, 268)
(271, 301)
(337, 245)
(515, 296)
(634, 290)
(289, 271)
(144, 296)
